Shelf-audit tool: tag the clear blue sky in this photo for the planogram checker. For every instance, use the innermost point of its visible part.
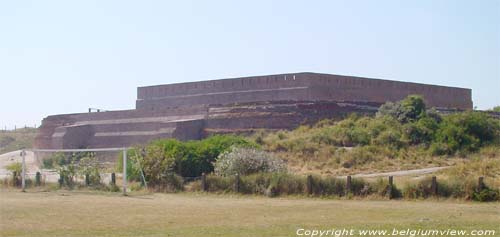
(66, 56)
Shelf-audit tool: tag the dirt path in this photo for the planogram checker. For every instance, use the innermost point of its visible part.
(416, 172)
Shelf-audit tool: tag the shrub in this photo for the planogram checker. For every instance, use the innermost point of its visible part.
(67, 175)
(135, 160)
(382, 188)
(245, 161)
(188, 159)
(409, 109)
(219, 184)
(486, 195)
(466, 132)
(15, 167)
(328, 186)
(170, 182)
(89, 166)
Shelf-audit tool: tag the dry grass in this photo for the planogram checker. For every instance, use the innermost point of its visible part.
(16, 140)
(192, 214)
(304, 155)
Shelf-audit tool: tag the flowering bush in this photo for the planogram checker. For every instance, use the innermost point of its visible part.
(245, 161)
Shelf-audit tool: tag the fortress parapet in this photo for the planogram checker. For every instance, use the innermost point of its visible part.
(194, 110)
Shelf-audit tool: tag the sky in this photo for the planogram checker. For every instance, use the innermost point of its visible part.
(66, 56)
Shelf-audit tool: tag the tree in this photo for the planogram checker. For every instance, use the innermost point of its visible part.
(407, 110)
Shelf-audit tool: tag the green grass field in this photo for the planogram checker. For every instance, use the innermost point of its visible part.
(64, 213)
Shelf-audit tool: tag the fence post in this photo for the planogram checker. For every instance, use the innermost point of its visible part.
(348, 185)
(237, 183)
(14, 178)
(309, 184)
(124, 172)
(38, 177)
(23, 174)
(434, 186)
(480, 184)
(113, 179)
(61, 180)
(390, 187)
(87, 180)
(204, 182)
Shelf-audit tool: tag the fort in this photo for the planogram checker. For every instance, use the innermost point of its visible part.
(194, 110)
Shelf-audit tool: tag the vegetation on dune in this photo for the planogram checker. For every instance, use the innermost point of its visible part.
(245, 161)
(161, 158)
(16, 140)
(404, 133)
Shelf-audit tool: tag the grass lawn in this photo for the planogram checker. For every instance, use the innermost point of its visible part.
(64, 213)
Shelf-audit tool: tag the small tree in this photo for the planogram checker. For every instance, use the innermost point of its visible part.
(89, 166)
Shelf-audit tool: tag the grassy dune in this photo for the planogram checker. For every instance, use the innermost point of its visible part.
(99, 214)
(16, 140)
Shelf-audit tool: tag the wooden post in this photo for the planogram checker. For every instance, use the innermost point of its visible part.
(124, 171)
(390, 187)
(61, 180)
(309, 184)
(23, 177)
(87, 180)
(348, 185)
(204, 186)
(237, 183)
(38, 178)
(14, 178)
(113, 179)
(480, 184)
(434, 186)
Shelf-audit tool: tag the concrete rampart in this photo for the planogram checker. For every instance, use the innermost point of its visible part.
(193, 110)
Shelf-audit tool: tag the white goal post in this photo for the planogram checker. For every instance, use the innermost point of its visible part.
(123, 149)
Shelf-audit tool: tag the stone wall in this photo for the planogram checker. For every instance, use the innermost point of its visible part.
(297, 87)
(189, 111)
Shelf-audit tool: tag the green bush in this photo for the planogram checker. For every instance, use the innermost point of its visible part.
(187, 159)
(486, 195)
(134, 166)
(89, 167)
(15, 167)
(465, 132)
(409, 109)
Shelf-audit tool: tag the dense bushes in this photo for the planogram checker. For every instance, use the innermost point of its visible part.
(465, 132)
(405, 130)
(245, 161)
(160, 158)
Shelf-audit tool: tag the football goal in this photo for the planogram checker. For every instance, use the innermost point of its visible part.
(99, 167)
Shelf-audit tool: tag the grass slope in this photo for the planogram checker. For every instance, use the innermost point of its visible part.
(94, 214)
(16, 140)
